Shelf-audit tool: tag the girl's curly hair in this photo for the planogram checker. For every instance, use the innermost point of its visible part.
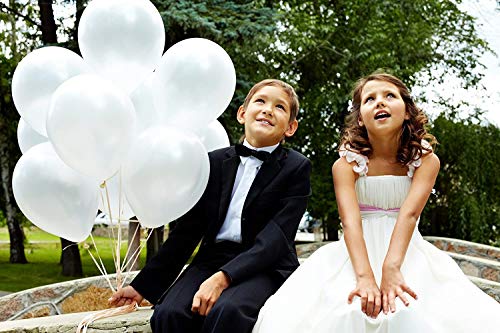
(413, 131)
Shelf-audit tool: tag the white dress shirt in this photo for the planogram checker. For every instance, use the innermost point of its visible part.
(247, 170)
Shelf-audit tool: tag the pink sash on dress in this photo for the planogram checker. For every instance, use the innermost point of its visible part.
(368, 208)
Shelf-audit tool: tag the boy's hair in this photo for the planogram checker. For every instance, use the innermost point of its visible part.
(288, 89)
(355, 136)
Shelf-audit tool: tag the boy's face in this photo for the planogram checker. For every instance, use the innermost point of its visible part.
(267, 117)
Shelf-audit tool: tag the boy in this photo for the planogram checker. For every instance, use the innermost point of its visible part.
(246, 220)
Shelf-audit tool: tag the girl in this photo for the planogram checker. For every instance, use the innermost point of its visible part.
(382, 276)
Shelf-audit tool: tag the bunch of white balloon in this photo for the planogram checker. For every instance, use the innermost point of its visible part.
(124, 115)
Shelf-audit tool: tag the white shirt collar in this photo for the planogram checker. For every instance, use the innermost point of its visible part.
(269, 149)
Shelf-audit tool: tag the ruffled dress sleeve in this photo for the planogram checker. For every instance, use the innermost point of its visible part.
(418, 162)
(361, 160)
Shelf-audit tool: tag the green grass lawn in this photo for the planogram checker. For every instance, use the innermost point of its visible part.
(43, 260)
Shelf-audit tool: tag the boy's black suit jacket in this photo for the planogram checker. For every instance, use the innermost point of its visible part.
(271, 213)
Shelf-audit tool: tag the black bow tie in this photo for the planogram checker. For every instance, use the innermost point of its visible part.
(244, 151)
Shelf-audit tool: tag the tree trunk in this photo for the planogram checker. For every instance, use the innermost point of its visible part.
(330, 231)
(154, 242)
(70, 259)
(49, 28)
(70, 256)
(80, 6)
(134, 242)
(13, 35)
(16, 233)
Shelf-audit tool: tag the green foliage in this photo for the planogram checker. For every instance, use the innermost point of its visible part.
(245, 29)
(329, 45)
(322, 47)
(8, 114)
(17, 38)
(3, 222)
(466, 202)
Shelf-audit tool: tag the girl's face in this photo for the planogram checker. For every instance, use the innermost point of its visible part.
(382, 109)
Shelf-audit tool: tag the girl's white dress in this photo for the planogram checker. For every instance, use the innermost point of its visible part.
(314, 298)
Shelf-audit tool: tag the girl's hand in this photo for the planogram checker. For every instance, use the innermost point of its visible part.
(368, 291)
(393, 285)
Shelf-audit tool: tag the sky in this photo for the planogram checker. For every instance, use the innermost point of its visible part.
(487, 14)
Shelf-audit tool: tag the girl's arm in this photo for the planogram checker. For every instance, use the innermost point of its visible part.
(366, 287)
(393, 284)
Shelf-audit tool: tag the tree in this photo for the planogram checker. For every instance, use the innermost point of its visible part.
(239, 24)
(465, 203)
(70, 256)
(326, 46)
(321, 47)
(13, 44)
(245, 29)
(22, 41)
(12, 214)
(242, 28)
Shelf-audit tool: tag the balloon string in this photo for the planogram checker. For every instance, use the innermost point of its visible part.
(88, 320)
(101, 269)
(127, 257)
(111, 233)
(97, 252)
(119, 175)
(117, 256)
(120, 197)
(136, 256)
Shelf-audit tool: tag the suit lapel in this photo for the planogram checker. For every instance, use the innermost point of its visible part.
(266, 173)
(229, 169)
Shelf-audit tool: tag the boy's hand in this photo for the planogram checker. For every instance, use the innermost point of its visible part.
(209, 292)
(125, 296)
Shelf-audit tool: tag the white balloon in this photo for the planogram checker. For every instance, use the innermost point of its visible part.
(91, 124)
(122, 40)
(36, 78)
(117, 201)
(53, 196)
(27, 137)
(145, 111)
(165, 174)
(194, 83)
(213, 136)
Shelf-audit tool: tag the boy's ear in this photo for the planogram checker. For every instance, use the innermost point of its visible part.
(240, 115)
(292, 127)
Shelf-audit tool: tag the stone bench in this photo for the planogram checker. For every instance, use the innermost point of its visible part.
(51, 299)
(478, 267)
(53, 296)
(464, 247)
(136, 322)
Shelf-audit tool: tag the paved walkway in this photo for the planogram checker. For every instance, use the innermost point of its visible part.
(3, 293)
